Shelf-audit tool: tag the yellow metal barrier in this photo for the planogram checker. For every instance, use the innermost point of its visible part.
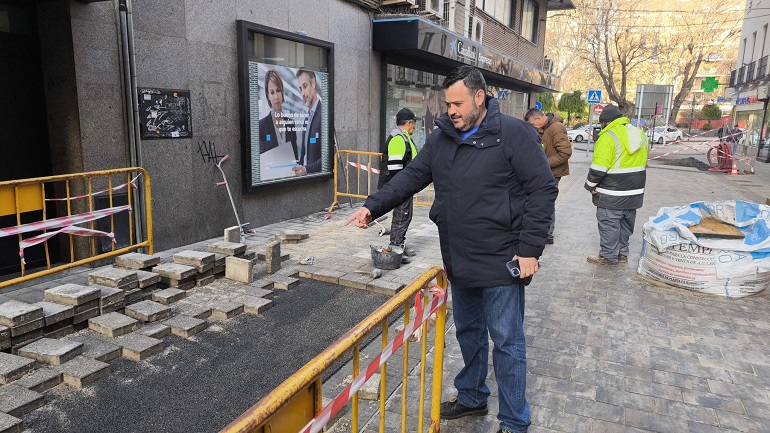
(294, 403)
(42, 193)
(358, 168)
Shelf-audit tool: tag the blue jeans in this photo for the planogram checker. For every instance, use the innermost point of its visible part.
(496, 312)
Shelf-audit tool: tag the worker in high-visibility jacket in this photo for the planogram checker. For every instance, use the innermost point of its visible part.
(616, 180)
(398, 153)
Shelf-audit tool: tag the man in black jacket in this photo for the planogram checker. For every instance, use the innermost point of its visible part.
(494, 198)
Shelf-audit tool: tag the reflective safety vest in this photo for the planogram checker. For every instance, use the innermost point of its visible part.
(396, 155)
(618, 170)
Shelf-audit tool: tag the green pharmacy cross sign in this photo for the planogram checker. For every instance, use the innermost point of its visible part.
(709, 84)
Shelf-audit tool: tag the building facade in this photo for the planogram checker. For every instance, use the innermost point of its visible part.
(750, 81)
(175, 85)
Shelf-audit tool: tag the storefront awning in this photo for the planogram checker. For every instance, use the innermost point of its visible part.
(425, 42)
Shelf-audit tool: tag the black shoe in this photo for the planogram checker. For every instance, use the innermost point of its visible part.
(622, 258)
(453, 409)
(549, 240)
(502, 430)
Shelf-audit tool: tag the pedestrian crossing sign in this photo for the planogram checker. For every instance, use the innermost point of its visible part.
(594, 96)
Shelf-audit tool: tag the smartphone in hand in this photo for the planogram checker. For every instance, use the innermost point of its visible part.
(513, 268)
(515, 271)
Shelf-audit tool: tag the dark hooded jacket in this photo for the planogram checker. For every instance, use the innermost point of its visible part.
(494, 198)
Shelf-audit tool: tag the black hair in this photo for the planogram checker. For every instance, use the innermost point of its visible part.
(533, 112)
(470, 76)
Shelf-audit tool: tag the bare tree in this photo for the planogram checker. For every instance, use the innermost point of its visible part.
(626, 42)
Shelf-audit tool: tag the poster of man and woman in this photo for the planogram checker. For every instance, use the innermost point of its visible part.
(291, 113)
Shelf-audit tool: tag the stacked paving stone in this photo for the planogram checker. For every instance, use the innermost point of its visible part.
(238, 262)
(291, 237)
(117, 327)
(203, 263)
(84, 301)
(58, 319)
(174, 275)
(119, 278)
(142, 264)
(137, 262)
(22, 322)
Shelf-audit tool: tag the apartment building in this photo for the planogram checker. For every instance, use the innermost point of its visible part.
(750, 82)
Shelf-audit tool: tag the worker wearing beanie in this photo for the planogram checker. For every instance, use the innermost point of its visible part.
(616, 180)
(399, 153)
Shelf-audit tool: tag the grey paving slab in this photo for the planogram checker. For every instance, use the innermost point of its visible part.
(174, 271)
(223, 309)
(156, 330)
(54, 312)
(148, 311)
(41, 379)
(146, 278)
(193, 258)
(10, 424)
(168, 296)
(137, 347)
(17, 401)
(51, 351)
(114, 277)
(72, 294)
(15, 313)
(13, 367)
(136, 261)
(96, 346)
(113, 324)
(82, 371)
(227, 248)
(253, 304)
(185, 326)
(192, 310)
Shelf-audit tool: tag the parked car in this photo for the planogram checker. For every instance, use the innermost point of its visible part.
(664, 133)
(580, 134)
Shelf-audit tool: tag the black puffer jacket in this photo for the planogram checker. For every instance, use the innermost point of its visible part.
(494, 198)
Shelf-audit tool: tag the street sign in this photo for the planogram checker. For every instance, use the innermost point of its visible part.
(502, 94)
(594, 96)
(538, 105)
(709, 84)
(598, 109)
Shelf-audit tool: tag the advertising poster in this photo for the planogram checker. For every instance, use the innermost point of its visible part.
(291, 111)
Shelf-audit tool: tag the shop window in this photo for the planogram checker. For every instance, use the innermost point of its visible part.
(501, 10)
(288, 105)
(529, 20)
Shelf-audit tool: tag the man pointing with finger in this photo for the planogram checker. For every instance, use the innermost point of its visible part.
(494, 199)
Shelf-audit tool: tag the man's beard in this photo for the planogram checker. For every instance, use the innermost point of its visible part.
(473, 117)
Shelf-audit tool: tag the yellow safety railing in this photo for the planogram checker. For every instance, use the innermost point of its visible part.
(359, 174)
(294, 403)
(73, 195)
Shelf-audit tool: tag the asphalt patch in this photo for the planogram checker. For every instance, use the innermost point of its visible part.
(202, 384)
(687, 162)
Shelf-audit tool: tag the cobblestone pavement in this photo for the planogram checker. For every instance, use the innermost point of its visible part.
(607, 351)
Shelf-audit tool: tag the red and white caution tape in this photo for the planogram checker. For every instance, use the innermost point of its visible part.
(73, 230)
(60, 222)
(318, 423)
(117, 188)
(671, 153)
(363, 167)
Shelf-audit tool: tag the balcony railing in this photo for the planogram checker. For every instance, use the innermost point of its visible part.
(741, 74)
(762, 68)
(750, 69)
(732, 78)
